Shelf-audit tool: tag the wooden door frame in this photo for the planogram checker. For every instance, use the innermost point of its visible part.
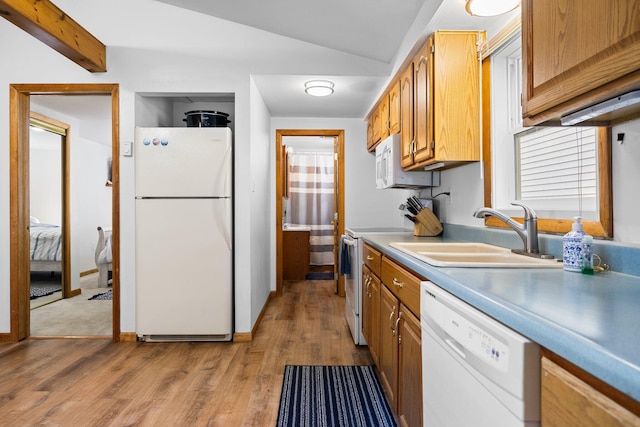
(339, 188)
(19, 113)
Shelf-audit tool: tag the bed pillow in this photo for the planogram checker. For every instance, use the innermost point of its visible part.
(34, 220)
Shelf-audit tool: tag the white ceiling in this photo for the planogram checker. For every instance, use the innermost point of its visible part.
(336, 37)
(372, 29)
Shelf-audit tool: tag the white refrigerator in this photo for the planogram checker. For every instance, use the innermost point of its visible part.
(184, 234)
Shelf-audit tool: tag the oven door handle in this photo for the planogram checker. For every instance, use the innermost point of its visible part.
(350, 242)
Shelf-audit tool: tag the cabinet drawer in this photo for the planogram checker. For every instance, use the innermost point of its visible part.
(372, 259)
(403, 283)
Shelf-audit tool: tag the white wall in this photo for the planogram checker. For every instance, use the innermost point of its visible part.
(626, 176)
(90, 203)
(45, 174)
(261, 225)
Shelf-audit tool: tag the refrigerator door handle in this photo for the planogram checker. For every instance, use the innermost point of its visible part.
(222, 216)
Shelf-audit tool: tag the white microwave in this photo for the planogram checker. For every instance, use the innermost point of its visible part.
(389, 173)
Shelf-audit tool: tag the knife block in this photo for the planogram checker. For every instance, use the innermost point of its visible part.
(428, 224)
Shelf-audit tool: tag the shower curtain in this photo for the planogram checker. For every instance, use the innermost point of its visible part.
(311, 201)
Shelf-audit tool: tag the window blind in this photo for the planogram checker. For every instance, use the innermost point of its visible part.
(557, 163)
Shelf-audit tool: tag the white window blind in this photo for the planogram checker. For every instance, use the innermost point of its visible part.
(557, 164)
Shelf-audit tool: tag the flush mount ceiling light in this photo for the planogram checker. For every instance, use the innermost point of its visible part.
(318, 87)
(490, 7)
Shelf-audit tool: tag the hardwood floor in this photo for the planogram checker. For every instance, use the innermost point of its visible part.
(100, 383)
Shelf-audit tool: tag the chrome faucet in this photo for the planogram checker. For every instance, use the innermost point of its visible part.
(528, 231)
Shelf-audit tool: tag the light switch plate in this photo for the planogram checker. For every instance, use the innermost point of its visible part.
(127, 149)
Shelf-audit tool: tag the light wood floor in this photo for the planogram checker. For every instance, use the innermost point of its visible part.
(99, 383)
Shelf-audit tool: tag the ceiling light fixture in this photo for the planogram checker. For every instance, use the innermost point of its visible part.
(490, 7)
(318, 87)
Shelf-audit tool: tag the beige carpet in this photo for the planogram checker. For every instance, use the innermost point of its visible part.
(75, 316)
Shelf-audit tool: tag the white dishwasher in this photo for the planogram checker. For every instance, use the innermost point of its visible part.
(475, 371)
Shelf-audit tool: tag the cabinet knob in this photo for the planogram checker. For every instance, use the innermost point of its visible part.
(369, 258)
(398, 283)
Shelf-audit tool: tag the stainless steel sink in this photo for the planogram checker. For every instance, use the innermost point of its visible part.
(471, 255)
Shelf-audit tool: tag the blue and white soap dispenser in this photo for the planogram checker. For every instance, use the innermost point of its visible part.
(572, 247)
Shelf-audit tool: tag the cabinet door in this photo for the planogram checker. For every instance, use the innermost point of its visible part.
(394, 109)
(567, 401)
(388, 356)
(423, 107)
(577, 54)
(366, 304)
(406, 116)
(371, 312)
(384, 118)
(371, 140)
(375, 120)
(409, 369)
(295, 254)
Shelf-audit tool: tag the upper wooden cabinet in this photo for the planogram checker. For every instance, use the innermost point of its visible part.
(578, 54)
(423, 141)
(447, 100)
(406, 115)
(394, 109)
(385, 120)
(438, 101)
(373, 130)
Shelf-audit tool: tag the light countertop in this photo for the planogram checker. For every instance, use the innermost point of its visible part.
(592, 321)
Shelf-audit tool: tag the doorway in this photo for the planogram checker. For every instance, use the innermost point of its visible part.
(336, 137)
(20, 96)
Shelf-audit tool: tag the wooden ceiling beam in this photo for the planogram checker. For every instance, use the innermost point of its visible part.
(46, 22)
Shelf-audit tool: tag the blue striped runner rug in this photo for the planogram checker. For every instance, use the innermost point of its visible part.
(318, 396)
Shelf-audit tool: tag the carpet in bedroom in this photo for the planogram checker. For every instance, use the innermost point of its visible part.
(74, 316)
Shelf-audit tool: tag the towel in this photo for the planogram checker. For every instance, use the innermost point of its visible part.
(345, 258)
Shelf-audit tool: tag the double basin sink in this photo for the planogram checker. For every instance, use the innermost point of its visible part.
(466, 254)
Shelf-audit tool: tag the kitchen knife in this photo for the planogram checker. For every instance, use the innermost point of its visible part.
(414, 205)
(418, 202)
(411, 218)
(412, 210)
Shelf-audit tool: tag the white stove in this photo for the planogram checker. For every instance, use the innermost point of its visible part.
(352, 243)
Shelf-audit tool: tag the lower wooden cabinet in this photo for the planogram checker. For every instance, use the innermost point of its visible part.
(371, 311)
(568, 401)
(409, 369)
(296, 255)
(388, 357)
(400, 347)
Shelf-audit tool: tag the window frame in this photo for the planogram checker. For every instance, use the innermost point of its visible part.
(601, 228)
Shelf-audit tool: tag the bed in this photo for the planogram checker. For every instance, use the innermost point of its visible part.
(45, 246)
(104, 256)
